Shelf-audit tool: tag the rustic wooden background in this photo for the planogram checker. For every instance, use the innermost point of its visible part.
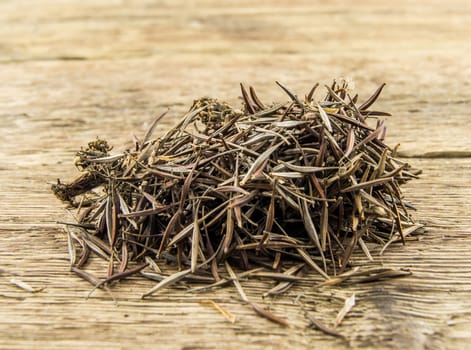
(73, 70)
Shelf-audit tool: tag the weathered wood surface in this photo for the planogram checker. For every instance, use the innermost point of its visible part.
(72, 70)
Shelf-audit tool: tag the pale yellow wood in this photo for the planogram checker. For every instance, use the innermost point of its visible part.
(73, 70)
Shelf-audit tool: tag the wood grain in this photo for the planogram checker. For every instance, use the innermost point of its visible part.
(73, 70)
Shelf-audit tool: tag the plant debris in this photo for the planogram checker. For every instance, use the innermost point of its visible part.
(281, 188)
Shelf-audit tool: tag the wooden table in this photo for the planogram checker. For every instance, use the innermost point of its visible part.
(73, 70)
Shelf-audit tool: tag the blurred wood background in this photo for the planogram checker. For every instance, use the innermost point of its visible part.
(73, 70)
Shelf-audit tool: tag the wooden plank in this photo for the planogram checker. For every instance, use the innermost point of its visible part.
(77, 69)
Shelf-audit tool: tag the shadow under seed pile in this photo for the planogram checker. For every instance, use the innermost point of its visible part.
(291, 186)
